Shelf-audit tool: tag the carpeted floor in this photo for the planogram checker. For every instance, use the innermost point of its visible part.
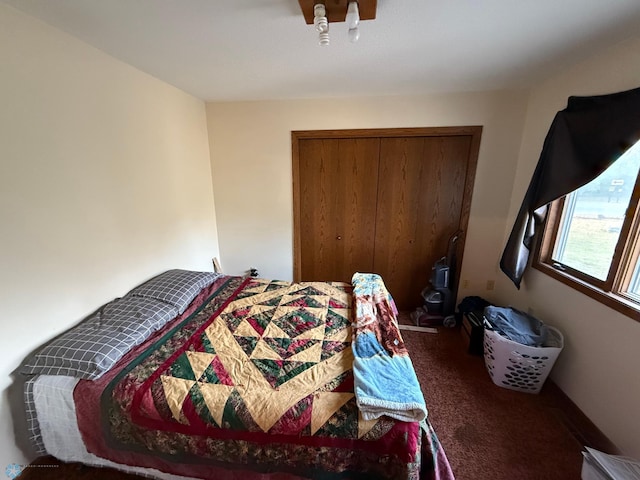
(488, 432)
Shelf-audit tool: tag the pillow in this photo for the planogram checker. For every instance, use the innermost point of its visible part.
(176, 287)
(92, 347)
(136, 315)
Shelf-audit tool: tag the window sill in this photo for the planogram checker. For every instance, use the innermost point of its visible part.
(611, 300)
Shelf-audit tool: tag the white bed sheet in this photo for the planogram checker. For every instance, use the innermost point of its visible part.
(53, 398)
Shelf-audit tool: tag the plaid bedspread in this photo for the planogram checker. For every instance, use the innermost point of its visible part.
(258, 379)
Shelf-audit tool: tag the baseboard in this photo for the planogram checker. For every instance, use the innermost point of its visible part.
(580, 426)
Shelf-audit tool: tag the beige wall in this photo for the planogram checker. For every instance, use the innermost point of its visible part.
(105, 181)
(598, 368)
(251, 161)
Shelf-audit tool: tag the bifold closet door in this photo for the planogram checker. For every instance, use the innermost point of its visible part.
(338, 185)
(419, 206)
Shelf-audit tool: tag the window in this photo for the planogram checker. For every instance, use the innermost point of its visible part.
(590, 239)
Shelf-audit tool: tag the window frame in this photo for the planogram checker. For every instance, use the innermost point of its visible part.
(611, 291)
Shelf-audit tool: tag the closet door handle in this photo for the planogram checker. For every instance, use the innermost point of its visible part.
(338, 237)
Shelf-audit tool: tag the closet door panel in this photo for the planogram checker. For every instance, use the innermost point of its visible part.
(420, 197)
(445, 213)
(338, 190)
(403, 175)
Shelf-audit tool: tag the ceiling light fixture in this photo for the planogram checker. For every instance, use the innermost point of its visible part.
(322, 12)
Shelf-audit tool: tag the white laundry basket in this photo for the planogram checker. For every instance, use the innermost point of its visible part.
(520, 367)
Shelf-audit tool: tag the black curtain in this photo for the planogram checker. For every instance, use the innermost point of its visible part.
(584, 140)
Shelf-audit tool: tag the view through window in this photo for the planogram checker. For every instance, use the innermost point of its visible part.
(593, 215)
(591, 235)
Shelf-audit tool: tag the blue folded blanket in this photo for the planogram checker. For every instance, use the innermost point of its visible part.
(384, 377)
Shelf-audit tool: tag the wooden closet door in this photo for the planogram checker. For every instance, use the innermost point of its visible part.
(338, 184)
(419, 207)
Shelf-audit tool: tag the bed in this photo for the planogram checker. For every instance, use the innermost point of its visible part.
(203, 375)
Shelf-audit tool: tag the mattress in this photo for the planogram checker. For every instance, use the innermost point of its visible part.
(58, 431)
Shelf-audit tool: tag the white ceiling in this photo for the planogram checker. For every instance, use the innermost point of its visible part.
(263, 49)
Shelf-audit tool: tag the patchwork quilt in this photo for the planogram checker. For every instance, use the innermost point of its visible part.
(258, 379)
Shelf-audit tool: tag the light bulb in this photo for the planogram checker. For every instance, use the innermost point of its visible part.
(353, 15)
(321, 23)
(354, 34)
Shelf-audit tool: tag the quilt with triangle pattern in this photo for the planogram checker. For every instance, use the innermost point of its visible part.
(258, 378)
